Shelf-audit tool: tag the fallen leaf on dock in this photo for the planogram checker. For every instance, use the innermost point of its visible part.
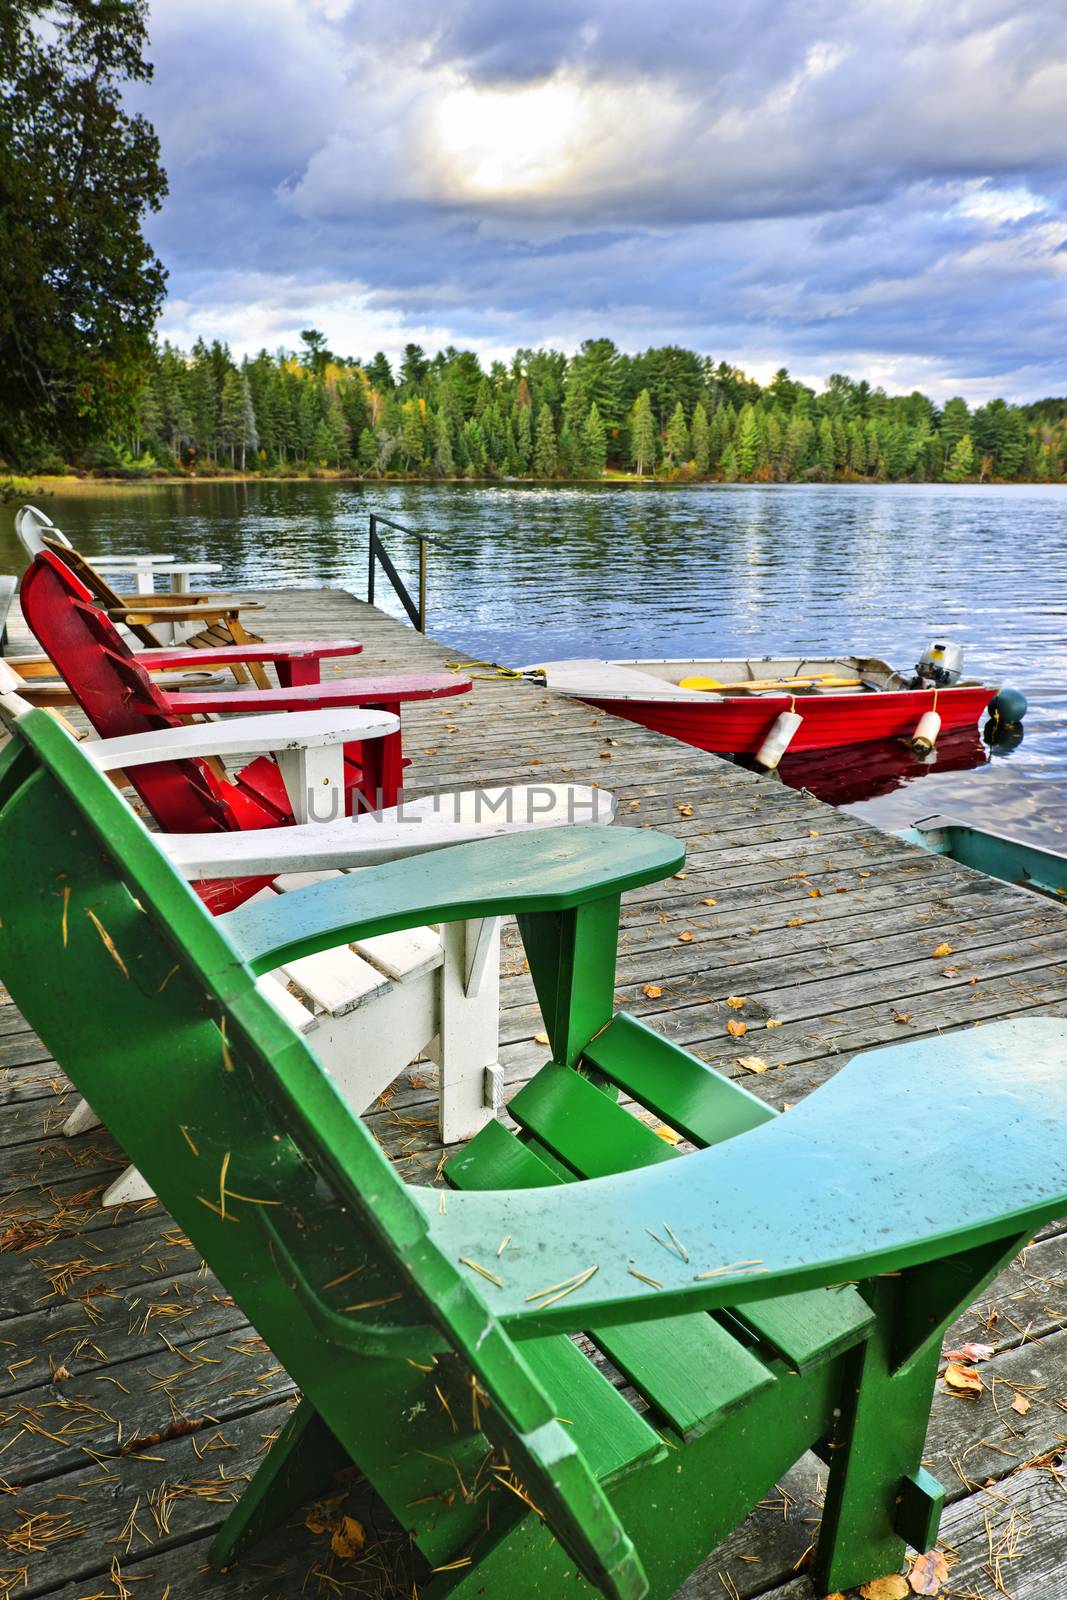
(901, 1016)
(813, 835)
(540, 1038)
(681, 874)
(928, 1573)
(684, 811)
(943, 949)
(773, 1022)
(709, 902)
(652, 990)
(736, 1001)
(1020, 1404)
(348, 1538)
(962, 1380)
(795, 922)
(892, 1588)
(737, 1029)
(752, 1063)
(970, 1353)
(951, 972)
(685, 938)
(668, 1135)
(635, 805)
(815, 894)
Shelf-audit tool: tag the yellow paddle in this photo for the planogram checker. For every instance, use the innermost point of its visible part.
(823, 680)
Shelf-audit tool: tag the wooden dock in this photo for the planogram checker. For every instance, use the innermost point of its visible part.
(137, 1400)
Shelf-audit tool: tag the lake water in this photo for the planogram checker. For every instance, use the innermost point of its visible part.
(518, 574)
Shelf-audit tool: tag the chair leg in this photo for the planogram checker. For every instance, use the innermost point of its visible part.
(878, 1445)
(879, 1497)
(82, 1118)
(299, 1465)
(469, 1026)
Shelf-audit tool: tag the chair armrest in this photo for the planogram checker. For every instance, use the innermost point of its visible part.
(183, 567)
(557, 870)
(299, 650)
(32, 666)
(864, 1177)
(384, 692)
(158, 610)
(129, 563)
(301, 730)
(370, 840)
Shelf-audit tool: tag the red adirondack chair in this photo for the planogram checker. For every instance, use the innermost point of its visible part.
(188, 796)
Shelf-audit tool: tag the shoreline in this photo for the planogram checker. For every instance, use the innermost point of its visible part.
(54, 484)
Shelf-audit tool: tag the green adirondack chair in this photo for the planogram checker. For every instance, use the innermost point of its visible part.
(784, 1286)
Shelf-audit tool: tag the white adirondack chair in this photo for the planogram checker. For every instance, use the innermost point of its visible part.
(369, 1009)
(31, 523)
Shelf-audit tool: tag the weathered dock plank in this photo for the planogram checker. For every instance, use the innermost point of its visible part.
(137, 1401)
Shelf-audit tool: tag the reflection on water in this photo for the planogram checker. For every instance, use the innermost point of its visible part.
(880, 769)
(522, 573)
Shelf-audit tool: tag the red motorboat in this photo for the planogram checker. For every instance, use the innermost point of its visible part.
(733, 707)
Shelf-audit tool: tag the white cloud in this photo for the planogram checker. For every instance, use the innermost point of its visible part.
(986, 203)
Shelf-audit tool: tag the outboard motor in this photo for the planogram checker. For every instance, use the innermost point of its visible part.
(938, 667)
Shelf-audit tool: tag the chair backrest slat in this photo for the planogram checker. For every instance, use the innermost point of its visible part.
(98, 587)
(119, 698)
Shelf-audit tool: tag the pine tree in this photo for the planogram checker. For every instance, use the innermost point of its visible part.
(249, 436)
(774, 441)
(1012, 450)
(337, 426)
(443, 459)
(367, 451)
(474, 448)
(523, 433)
(643, 435)
(594, 441)
(569, 462)
(411, 433)
(231, 415)
(677, 441)
(700, 434)
(857, 449)
(955, 422)
(799, 443)
(322, 445)
(149, 415)
(354, 402)
(544, 455)
(748, 442)
(728, 464)
(960, 463)
(826, 449)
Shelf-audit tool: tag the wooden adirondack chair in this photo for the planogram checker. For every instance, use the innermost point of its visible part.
(784, 1287)
(369, 1008)
(119, 699)
(165, 619)
(31, 525)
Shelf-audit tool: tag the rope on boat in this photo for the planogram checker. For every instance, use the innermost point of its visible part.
(508, 673)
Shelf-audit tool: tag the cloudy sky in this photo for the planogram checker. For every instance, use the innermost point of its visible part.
(869, 186)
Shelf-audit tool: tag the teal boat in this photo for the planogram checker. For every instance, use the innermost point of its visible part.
(996, 854)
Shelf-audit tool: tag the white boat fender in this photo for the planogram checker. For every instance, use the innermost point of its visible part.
(927, 729)
(782, 732)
